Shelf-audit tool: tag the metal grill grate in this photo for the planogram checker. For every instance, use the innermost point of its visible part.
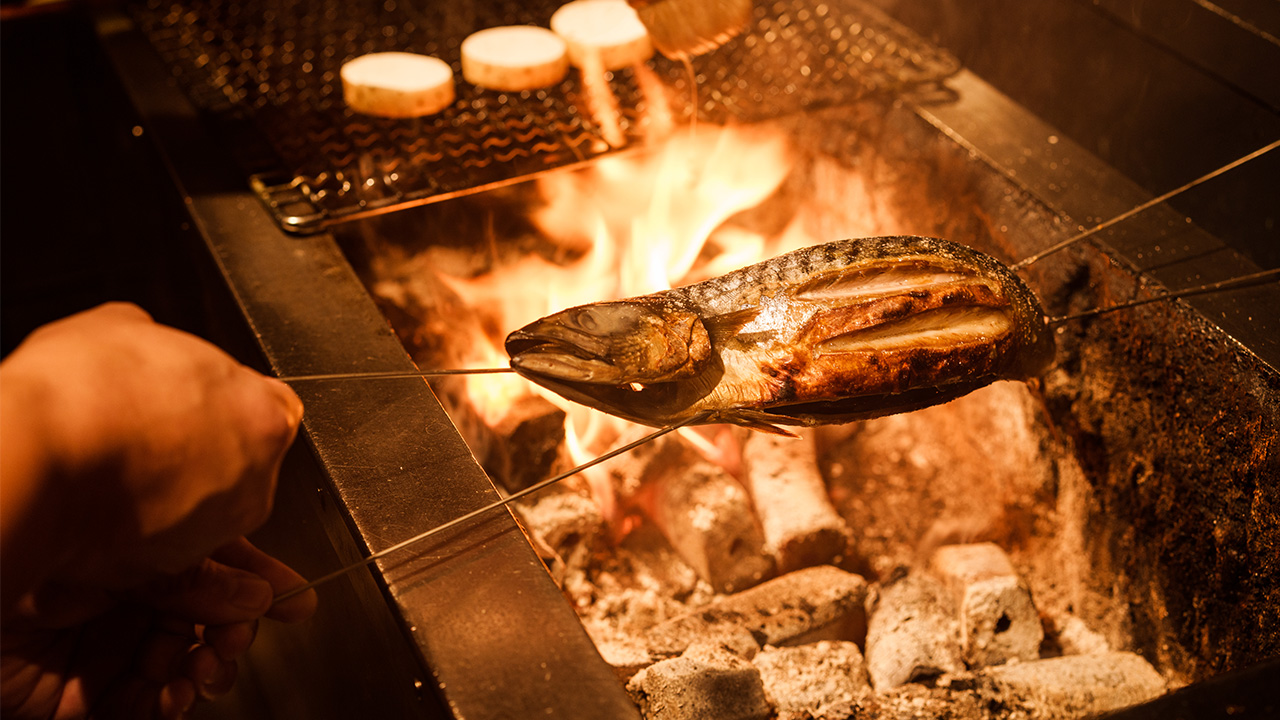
(267, 74)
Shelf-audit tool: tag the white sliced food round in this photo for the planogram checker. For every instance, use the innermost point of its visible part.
(397, 84)
(514, 58)
(605, 30)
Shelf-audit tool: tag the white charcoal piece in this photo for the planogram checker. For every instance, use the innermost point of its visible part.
(809, 605)
(801, 526)
(707, 681)
(911, 633)
(1076, 686)
(821, 680)
(998, 620)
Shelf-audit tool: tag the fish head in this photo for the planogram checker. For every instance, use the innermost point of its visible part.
(642, 340)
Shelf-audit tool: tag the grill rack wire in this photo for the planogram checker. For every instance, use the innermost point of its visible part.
(267, 76)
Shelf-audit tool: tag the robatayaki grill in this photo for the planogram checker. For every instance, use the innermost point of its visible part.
(1126, 487)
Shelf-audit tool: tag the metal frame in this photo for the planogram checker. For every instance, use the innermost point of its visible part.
(1160, 244)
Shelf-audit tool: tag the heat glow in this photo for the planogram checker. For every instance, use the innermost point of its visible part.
(648, 221)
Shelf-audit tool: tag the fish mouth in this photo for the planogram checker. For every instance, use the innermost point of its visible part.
(553, 351)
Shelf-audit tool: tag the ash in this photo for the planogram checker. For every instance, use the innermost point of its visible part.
(926, 565)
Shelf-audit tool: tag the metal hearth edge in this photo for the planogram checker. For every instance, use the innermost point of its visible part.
(1161, 244)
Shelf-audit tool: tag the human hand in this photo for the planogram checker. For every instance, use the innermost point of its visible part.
(152, 652)
(135, 459)
(151, 448)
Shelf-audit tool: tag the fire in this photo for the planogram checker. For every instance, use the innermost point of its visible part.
(636, 223)
(659, 209)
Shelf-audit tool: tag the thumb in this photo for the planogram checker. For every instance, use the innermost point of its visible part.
(210, 594)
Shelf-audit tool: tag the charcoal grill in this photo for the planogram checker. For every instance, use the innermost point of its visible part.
(245, 106)
(320, 163)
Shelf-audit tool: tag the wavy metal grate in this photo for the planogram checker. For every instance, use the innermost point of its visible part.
(267, 74)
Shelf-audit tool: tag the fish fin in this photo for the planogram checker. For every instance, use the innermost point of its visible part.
(729, 324)
(753, 420)
(765, 427)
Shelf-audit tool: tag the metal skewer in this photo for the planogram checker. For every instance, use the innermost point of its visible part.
(1258, 278)
(491, 506)
(1144, 206)
(376, 375)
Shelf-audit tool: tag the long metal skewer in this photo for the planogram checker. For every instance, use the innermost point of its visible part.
(393, 374)
(1257, 278)
(1144, 206)
(491, 506)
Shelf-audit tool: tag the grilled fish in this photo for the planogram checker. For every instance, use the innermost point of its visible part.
(848, 330)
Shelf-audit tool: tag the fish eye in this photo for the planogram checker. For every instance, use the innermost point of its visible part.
(587, 320)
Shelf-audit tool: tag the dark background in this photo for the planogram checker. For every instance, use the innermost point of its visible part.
(1162, 91)
(87, 213)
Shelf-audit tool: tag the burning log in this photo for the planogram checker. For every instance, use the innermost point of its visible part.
(998, 621)
(525, 442)
(801, 526)
(702, 511)
(911, 633)
(822, 680)
(821, 603)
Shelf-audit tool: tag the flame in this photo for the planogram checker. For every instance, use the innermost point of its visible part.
(644, 220)
(659, 209)
(634, 223)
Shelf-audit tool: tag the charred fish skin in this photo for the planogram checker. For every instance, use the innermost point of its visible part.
(831, 333)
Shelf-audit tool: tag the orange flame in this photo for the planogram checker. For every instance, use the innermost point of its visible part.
(645, 219)
(637, 223)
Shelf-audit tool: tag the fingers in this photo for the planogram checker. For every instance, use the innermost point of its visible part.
(211, 594)
(242, 554)
(231, 641)
(101, 668)
(27, 659)
(135, 663)
(267, 414)
(176, 698)
(237, 584)
(288, 399)
(154, 661)
(162, 425)
(211, 675)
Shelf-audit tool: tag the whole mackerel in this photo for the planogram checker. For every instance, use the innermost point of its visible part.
(847, 330)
